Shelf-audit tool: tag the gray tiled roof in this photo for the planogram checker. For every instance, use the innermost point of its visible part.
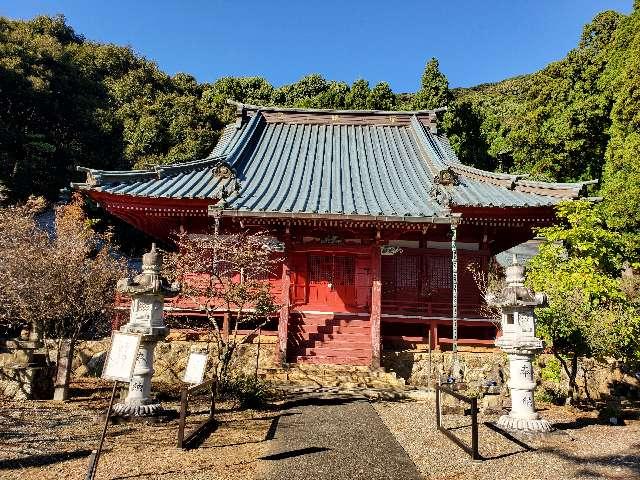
(359, 168)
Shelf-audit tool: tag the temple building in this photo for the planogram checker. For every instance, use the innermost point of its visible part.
(381, 225)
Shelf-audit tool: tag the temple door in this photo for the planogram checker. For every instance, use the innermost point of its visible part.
(331, 281)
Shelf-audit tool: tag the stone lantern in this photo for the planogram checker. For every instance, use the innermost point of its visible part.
(516, 303)
(147, 291)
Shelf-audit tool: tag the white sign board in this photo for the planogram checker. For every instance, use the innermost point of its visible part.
(196, 366)
(121, 359)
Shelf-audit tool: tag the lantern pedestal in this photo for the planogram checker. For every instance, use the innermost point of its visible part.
(147, 292)
(517, 303)
(523, 415)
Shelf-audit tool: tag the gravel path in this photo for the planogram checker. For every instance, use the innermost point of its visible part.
(334, 440)
(579, 449)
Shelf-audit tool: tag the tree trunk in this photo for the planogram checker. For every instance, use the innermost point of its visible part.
(63, 371)
(572, 372)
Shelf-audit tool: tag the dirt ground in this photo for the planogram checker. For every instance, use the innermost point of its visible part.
(52, 440)
(580, 448)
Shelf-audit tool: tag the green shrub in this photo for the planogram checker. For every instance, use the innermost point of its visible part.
(551, 393)
(551, 370)
(247, 390)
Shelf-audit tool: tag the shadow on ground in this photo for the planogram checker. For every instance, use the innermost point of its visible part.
(42, 460)
(294, 453)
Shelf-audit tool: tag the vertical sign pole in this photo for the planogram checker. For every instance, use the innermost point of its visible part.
(183, 414)
(95, 455)
(454, 295)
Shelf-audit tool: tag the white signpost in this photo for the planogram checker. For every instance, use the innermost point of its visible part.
(196, 366)
(121, 359)
(119, 366)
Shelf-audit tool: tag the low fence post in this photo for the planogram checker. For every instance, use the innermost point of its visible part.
(472, 450)
(183, 415)
(438, 420)
(185, 440)
(474, 429)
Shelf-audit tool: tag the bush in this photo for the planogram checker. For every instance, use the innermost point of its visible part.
(551, 370)
(551, 393)
(248, 391)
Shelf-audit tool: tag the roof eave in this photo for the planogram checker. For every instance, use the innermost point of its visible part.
(446, 219)
(250, 107)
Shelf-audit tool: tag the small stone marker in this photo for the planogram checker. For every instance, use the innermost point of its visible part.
(196, 365)
(121, 359)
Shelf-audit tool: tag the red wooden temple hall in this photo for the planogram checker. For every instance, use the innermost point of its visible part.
(378, 218)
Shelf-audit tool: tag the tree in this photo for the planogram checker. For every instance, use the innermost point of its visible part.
(358, 95)
(434, 89)
(578, 267)
(227, 274)
(60, 283)
(621, 186)
(381, 97)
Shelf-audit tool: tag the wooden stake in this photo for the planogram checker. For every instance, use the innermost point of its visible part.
(95, 455)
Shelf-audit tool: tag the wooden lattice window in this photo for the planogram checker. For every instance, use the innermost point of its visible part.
(337, 269)
(439, 272)
(344, 270)
(319, 268)
(407, 272)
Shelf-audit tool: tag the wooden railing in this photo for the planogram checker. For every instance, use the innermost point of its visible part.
(184, 441)
(472, 449)
(427, 308)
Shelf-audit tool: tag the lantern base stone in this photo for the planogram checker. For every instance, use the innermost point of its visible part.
(530, 425)
(129, 410)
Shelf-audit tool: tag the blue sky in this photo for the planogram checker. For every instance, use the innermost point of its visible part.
(476, 41)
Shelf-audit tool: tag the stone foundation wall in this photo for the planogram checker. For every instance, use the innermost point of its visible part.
(24, 373)
(482, 371)
(171, 357)
(596, 380)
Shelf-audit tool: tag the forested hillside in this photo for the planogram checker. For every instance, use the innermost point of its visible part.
(67, 101)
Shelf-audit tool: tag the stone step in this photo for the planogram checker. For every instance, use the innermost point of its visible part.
(326, 371)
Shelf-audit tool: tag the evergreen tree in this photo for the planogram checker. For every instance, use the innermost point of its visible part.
(358, 95)
(434, 89)
(381, 97)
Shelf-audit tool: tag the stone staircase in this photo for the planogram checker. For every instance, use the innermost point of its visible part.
(335, 339)
(332, 376)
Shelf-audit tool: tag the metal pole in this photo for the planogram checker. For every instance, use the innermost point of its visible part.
(474, 429)
(438, 420)
(95, 455)
(430, 364)
(183, 415)
(454, 296)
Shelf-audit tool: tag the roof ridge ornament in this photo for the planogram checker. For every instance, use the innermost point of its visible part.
(224, 171)
(447, 177)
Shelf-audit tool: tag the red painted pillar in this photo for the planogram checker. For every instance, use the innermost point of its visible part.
(283, 323)
(376, 306)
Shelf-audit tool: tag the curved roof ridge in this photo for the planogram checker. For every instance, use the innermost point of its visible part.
(248, 106)
(433, 155)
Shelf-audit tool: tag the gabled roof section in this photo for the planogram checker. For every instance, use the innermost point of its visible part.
(333, 162)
